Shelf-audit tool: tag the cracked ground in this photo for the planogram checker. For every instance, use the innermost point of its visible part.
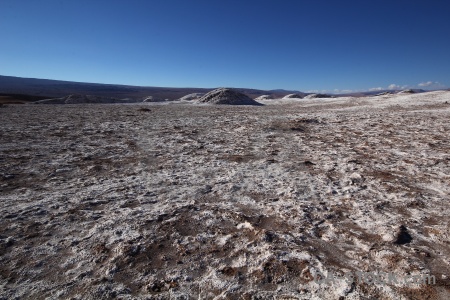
(187, 201)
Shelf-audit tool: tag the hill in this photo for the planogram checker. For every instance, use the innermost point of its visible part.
(18, 89)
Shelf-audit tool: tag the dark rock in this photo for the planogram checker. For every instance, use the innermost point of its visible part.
(315, 96)
(207, 189)
(293, 96)
(403, 236)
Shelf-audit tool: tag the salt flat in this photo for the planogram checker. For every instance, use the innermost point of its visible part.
(187, 201)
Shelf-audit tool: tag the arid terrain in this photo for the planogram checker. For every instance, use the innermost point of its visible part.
(193, 201)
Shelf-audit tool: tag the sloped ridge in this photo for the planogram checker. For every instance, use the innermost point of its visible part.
(81, 99)
(384, 94)
(192, 96)
(152, 99)
(409, 91)
(316, 96)
(227, 96)
(264, 97)
(293, 96)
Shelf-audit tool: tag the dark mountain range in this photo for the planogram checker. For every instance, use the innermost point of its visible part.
(281, 91)
(17, 89)
(22, 90)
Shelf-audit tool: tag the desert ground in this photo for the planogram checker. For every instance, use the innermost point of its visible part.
(194, 201)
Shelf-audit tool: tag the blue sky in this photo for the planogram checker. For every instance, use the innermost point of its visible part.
(300, 44)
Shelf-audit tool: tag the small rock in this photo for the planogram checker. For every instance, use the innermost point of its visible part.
(308, 163)
(246, 225)
(157, 286)
(403, 236)
(356, 178)
(9, 242)
(269, 236)
(207, 189)
(133, 250)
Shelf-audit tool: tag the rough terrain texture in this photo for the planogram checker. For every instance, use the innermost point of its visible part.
(172, 201)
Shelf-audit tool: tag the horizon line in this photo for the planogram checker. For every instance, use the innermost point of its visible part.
(309, 91)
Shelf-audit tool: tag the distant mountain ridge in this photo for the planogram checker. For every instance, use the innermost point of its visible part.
(21, 90)
(377, 92)
(49, 88)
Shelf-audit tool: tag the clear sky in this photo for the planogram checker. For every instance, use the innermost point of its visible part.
(303, 45)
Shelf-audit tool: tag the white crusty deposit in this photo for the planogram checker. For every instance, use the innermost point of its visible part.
(193, 201)
(264, 97)
(193, 96)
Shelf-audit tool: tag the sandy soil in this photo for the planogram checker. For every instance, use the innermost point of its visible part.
(186, 201)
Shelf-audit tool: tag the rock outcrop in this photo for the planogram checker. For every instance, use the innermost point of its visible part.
(264, 97)
(409, 91)
(315, 96)
(227, 96)
(384, 94)
(293, 96)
